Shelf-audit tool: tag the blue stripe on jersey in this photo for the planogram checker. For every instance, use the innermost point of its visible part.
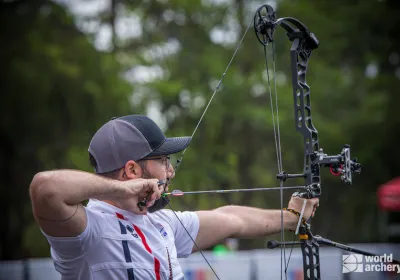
(131, 276)
(122, 227)
(127, 253)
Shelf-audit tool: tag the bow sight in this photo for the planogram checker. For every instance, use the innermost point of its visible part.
(339, 165)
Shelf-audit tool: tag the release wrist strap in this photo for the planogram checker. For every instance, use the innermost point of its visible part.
(303, 221)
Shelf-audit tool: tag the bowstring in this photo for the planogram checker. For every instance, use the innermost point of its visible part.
(276, 129)
(280, 157)
(179, 160)
(193, 133)
(277, 110)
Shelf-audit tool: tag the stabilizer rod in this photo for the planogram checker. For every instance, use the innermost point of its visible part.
(328, 242)
(272, 244)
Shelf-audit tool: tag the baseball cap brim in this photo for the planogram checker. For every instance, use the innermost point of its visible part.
(171, 146)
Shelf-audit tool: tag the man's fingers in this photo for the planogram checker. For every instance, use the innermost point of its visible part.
(315, 206)
(157, 191)
(297, 204)
(315, 202)
(151, 190)
(148, 185)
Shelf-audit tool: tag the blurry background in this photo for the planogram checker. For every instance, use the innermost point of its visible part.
(69, 66)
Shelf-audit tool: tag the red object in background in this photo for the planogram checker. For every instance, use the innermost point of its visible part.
(389, 195)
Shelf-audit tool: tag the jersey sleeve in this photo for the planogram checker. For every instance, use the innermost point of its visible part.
(64, 249)
(183, 243)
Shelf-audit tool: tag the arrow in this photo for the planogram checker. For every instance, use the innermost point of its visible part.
(181, 193)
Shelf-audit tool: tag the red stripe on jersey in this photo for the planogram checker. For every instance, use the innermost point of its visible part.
(143, 238)
(157, 268)
(157, 264)
(120, 216)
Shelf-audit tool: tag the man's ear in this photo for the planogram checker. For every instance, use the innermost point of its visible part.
(132, 170)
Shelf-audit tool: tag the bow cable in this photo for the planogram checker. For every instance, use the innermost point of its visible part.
(275, 125)
(280, 164)
(279, 158)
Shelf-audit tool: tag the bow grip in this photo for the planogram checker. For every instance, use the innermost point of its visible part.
(311, 191)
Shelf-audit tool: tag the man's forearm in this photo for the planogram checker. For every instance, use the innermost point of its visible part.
(53, 189)
(259, 222)
(72, 186)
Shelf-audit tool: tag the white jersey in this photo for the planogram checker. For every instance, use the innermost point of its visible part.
(118, 244)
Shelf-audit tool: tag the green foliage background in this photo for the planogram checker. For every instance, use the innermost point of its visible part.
(57, 89)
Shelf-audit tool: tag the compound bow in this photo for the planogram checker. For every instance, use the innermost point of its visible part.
(303, 43)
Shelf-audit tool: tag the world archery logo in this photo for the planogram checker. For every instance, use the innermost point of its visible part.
(352, 263)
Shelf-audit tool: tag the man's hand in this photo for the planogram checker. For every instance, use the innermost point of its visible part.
(296, 203)
(137, 190)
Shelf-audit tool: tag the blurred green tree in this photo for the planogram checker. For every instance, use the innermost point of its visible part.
(56, 91)
(352, 87)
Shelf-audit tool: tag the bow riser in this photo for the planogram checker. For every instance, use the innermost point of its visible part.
(300, 55)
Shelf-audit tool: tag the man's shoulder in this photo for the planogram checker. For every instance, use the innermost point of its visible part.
(164, 214)
(167, 213)
(172, 217)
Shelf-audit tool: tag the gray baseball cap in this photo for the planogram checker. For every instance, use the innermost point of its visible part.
(131, 137)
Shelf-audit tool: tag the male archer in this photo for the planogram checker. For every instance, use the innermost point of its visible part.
(113, 237)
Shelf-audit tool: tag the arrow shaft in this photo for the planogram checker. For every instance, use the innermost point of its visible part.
(234, 190)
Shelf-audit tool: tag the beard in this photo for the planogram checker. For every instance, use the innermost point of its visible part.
(160, 203)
